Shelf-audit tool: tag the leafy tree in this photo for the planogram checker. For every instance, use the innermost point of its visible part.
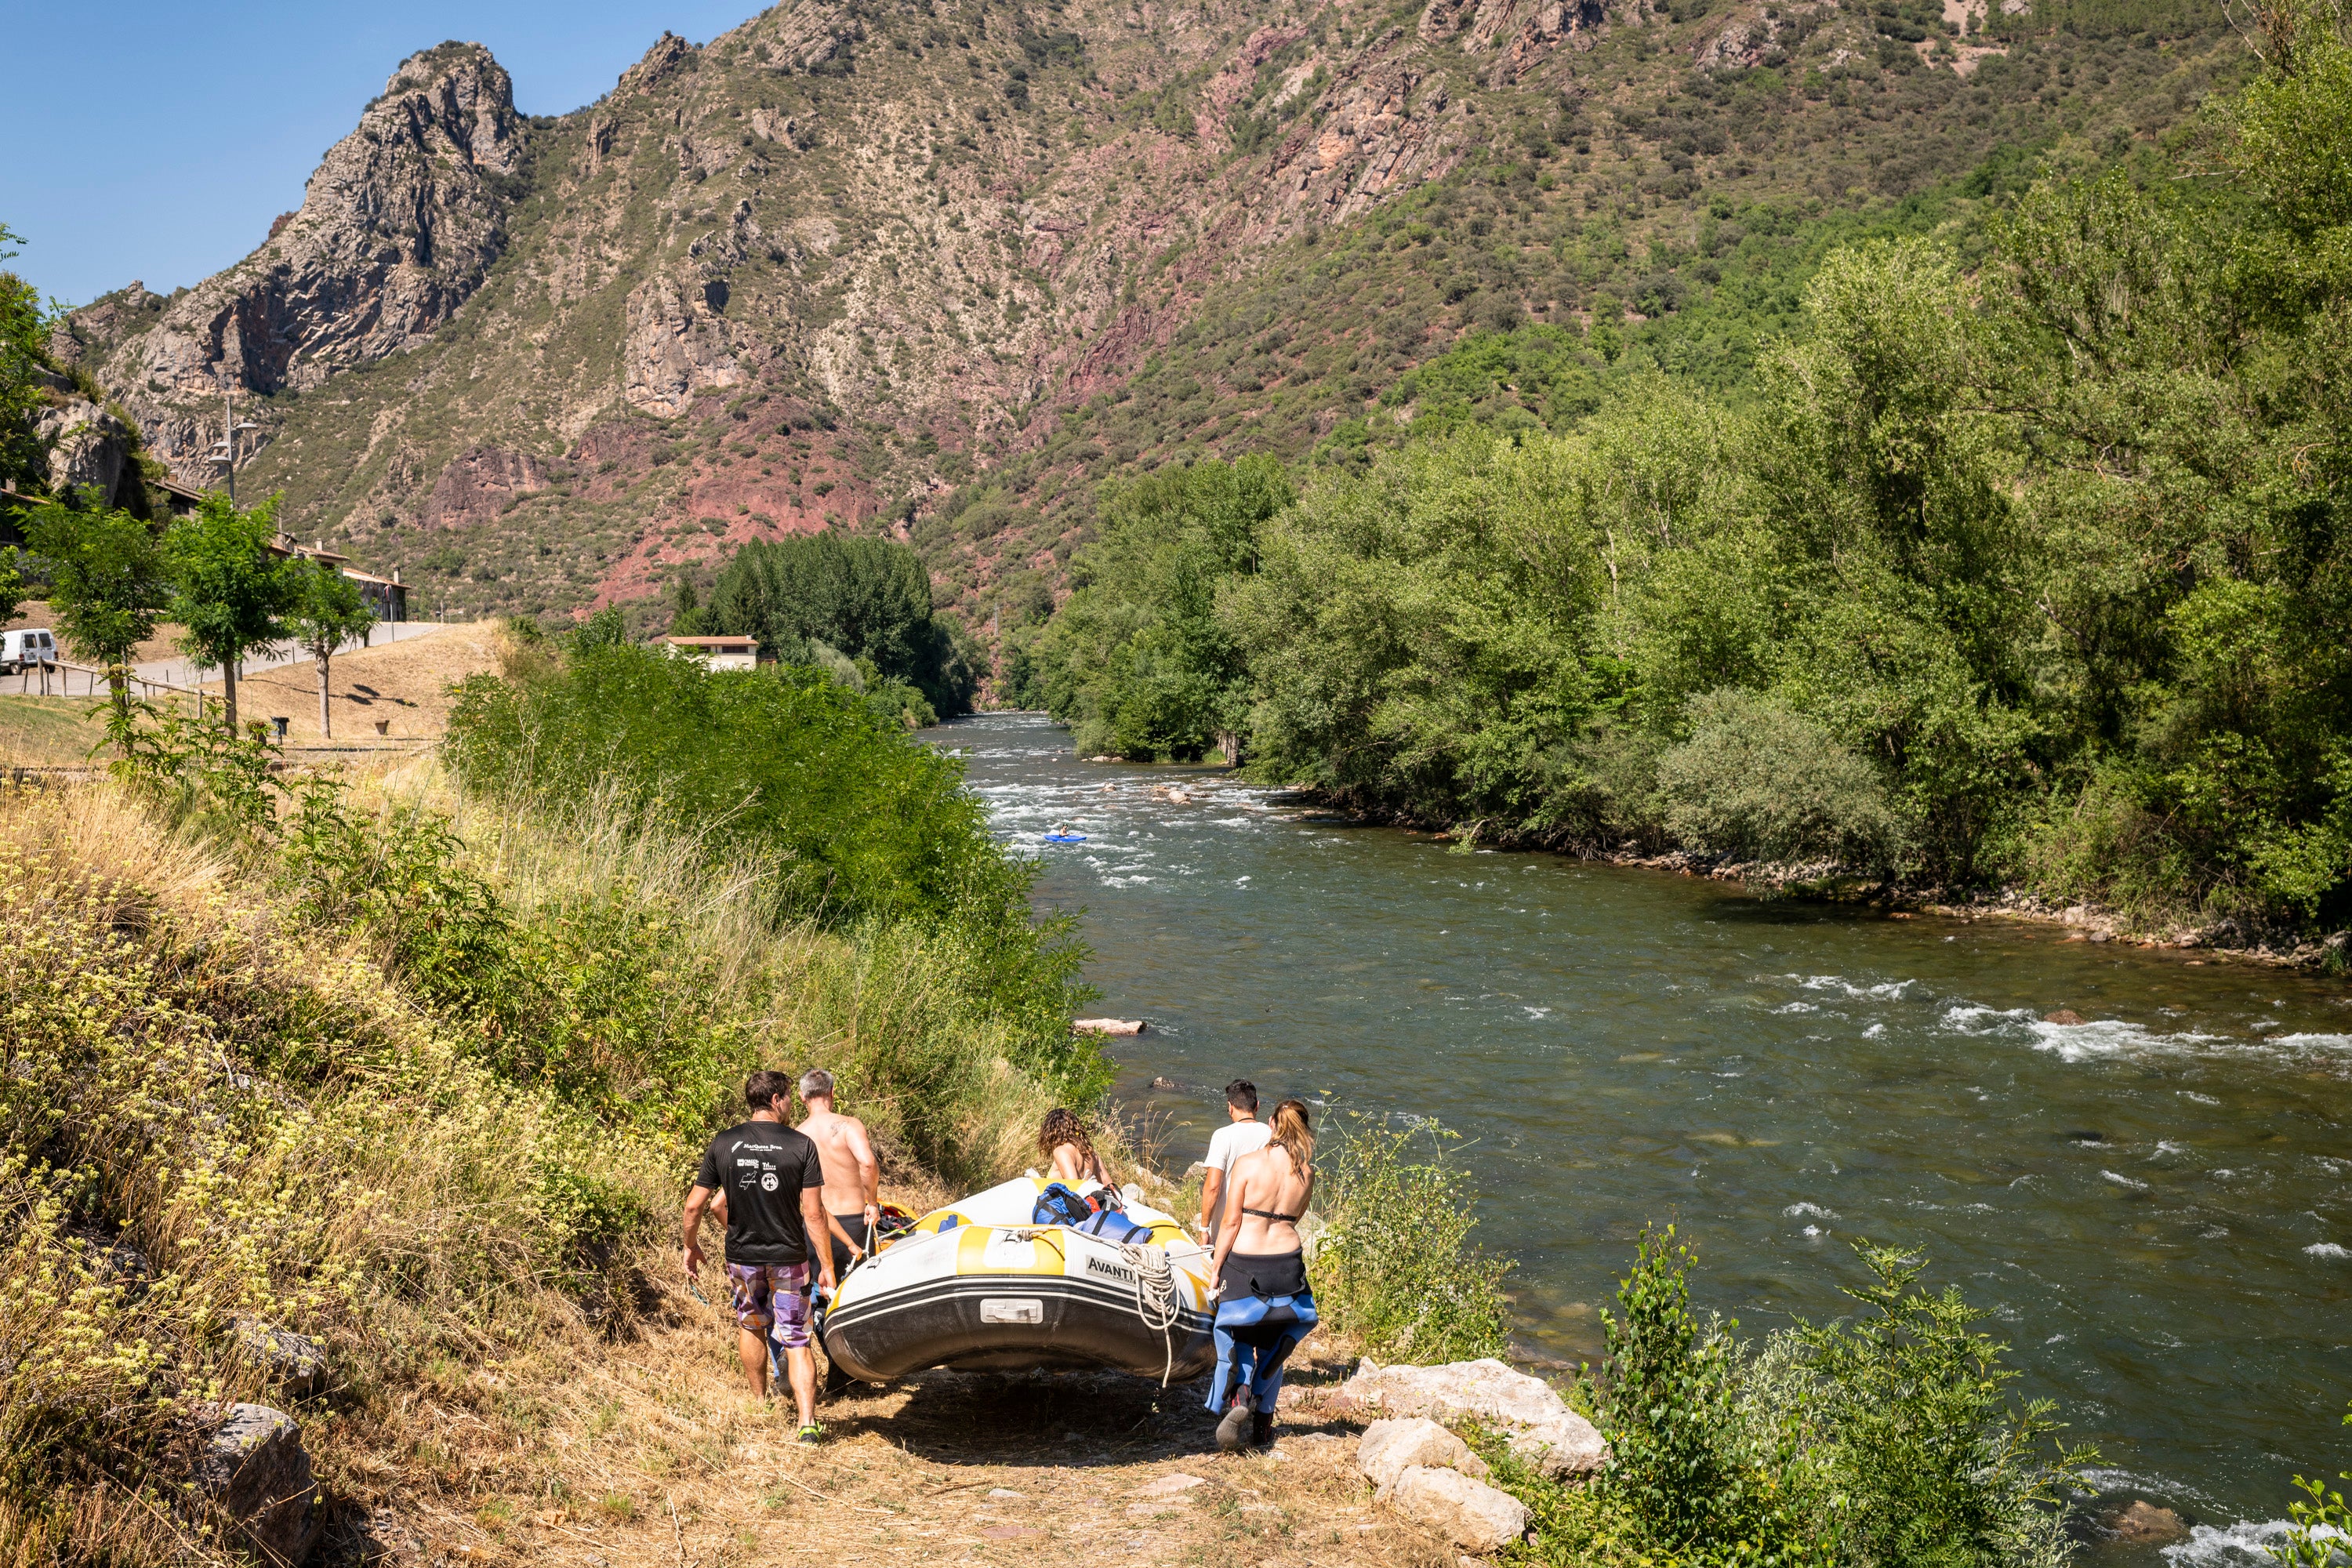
(867, 599)
(12, 584)
(1137, 659)
(231, 590)
(606, 628)
(109, 582)
(2178, 346)
(328, 610)
(688, 618)
(24, 355)
(1419, 634)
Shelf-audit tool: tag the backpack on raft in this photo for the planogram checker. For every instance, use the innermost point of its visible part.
(1114, 1226)
(1057, 1204)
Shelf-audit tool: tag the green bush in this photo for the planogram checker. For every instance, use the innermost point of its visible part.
(1878, 1441)
(1760, 780)
(1396, 1270)
(1925, 1458)
(2321, 1527)
(845, 820)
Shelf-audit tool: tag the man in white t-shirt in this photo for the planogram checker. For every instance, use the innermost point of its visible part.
(1242, 1134)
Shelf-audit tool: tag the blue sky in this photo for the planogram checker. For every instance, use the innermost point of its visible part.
(156, 141)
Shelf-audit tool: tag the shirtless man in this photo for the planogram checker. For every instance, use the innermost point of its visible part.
(853, 1180)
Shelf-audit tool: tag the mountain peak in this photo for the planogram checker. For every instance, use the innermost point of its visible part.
(669, 55)
(398, 225)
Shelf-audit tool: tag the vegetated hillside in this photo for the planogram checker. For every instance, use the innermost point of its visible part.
(933, 267)
(2023, 568)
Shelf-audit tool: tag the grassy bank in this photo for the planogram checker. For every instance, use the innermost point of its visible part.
(417, 1070)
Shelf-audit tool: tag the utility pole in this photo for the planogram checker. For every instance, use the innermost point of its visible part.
(224, 452)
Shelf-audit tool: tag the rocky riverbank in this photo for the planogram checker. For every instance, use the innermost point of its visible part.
(2228, 937)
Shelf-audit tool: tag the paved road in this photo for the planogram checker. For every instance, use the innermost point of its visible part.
(180, 672)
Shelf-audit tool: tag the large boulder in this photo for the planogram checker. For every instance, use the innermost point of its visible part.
(1529, 1413)
(1470, 1512)
(1390, 1448)
(257, 1472)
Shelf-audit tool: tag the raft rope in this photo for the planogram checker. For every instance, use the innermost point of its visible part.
(1156, 1300)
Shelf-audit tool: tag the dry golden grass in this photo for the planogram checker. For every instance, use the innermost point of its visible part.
(405, 684)
(652, 1452)
(46, 732)
(538, 1427)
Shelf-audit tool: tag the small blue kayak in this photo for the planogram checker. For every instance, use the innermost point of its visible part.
(1066, 838)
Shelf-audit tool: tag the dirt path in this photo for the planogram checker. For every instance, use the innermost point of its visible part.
(655, 1455)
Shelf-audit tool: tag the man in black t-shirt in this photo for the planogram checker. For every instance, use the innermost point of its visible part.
(774, 1188)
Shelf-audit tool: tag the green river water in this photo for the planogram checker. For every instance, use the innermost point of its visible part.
(2156, 1205)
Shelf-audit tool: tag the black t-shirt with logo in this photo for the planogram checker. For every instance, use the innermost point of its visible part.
(762, 1166)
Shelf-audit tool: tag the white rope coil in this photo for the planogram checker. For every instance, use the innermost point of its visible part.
(1156, 1301)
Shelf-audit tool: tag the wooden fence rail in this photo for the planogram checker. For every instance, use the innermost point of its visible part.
(95, 678)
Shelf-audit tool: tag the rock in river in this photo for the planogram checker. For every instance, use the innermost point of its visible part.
(2145, 1522)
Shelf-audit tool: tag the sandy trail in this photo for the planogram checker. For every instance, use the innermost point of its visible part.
(655, 1453)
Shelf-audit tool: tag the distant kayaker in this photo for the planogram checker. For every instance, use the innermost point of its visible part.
(773, 1180)
(1242, 1134)
(1263, 1305)
(1070, 1156)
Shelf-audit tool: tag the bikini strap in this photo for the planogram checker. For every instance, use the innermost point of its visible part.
(1269, 1213)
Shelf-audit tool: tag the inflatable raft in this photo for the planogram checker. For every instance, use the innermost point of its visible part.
(978, 1287)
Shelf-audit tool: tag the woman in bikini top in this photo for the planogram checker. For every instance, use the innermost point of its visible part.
(1070, 1156)
(1258, 1249)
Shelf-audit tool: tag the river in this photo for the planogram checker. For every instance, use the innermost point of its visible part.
(2156, 1205)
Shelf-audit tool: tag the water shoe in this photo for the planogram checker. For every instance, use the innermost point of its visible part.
(1232, 1432)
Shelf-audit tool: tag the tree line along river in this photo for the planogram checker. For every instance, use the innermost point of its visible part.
(2156, 1204)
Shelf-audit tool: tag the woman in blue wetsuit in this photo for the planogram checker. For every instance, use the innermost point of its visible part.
(1263, 1306)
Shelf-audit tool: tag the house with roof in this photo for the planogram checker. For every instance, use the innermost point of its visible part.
(387, 597)
(724, 653)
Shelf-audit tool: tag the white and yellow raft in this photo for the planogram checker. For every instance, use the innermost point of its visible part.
(978, 1287)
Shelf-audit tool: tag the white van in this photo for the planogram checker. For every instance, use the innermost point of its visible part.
(25, 647)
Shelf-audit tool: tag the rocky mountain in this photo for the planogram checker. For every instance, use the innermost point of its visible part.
(936, 267)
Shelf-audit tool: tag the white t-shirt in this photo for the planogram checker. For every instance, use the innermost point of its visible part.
(1233, 1141)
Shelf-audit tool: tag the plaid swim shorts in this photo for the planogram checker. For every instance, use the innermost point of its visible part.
(772, 1293)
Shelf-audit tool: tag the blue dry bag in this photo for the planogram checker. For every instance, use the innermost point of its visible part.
(1113, 1225)
(1059, 1206)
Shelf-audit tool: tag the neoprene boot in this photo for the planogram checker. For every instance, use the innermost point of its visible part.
(1262, 1429)
(1238, 1421)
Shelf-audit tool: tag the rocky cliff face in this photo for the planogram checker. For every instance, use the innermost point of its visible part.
(396, 229)
(891, 233)
(849, 264)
